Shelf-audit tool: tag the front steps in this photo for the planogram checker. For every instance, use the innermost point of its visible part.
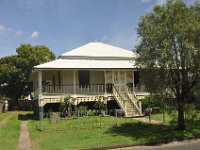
(127, 102)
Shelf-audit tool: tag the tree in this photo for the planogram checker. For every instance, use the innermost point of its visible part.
(30, 56)
(170, 47)
(15, 69)
(11, 77)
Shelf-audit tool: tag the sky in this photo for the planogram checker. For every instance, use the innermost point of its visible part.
(63, 25)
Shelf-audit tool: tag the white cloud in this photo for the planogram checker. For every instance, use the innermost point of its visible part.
(4, 30)
(9, 31)
(18, 33)
(35, 34)
(144, 1)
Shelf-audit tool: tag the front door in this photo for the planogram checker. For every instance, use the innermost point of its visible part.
(119, 80)
(84, 78)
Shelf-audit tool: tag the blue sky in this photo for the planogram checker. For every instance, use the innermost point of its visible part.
(63, 25)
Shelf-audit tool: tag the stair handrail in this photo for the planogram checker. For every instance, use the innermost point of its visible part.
(118, 97)
(133, 98)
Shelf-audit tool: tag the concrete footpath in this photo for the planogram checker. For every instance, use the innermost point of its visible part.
(183, 145)
(24, 141)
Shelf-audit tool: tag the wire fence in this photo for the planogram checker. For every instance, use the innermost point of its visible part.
(80, 120)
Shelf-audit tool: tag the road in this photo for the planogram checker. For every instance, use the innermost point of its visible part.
(184, 145)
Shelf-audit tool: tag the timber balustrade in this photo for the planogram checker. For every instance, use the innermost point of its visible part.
(79, 89)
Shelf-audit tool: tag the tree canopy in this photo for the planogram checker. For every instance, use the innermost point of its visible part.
(15, 69)
(169, 50)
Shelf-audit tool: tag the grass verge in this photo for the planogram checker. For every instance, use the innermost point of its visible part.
(4, 116)
(159, 117)
(9, 134)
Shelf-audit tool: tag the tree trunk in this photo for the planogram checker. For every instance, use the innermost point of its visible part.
(181, 119)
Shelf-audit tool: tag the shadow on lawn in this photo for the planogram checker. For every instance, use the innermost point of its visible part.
(24, 117)
(149, 134)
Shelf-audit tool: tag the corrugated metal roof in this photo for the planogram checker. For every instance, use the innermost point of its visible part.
(86, 64)
(93, 55)
(97, 49)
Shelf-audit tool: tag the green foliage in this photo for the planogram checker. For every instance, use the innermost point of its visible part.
(191, 113)
(66, 107)
(30, 56)
(82, 110)
(15, 70)
(169, 51)
(91, 112)
(99, 105)
(150, 101)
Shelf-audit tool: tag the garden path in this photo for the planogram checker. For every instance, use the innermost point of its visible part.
(24, 140)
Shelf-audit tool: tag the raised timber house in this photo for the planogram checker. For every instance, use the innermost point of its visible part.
(85, 73)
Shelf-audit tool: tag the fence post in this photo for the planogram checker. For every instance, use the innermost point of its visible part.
(116, 116)
(140, 106)
(149, 115)
(78, 120)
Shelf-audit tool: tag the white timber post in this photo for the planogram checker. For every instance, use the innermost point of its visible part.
(113, 77)
(140, 107)
(125, 77)
(74, 81)
(105, 92)
(40, 100)
(133, 83)
(40, 83)
(125, 80)
(113, 81)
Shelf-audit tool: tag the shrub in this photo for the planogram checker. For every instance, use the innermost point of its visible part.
(82, 110)
(66, 107)
(99, 105)
(91, 112)
(191, 113)
(150, 101)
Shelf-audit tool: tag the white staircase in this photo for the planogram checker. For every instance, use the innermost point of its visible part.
(127, 101)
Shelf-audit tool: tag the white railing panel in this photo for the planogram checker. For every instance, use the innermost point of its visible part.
(69, 89)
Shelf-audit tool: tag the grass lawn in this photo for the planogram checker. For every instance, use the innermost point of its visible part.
(5, 115)
(159, 117)
(125, 133)
(9, 134)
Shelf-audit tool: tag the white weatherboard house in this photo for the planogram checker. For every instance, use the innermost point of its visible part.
(90, 71)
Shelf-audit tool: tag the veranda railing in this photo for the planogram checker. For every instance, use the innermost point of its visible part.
(78, 89)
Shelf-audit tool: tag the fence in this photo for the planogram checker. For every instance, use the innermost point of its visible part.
(80, 120)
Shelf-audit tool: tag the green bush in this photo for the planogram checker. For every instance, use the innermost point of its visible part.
(191, 113)
(82, 110)
(66, 107)
(99, 105)
(91, 112)
(150, 101)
